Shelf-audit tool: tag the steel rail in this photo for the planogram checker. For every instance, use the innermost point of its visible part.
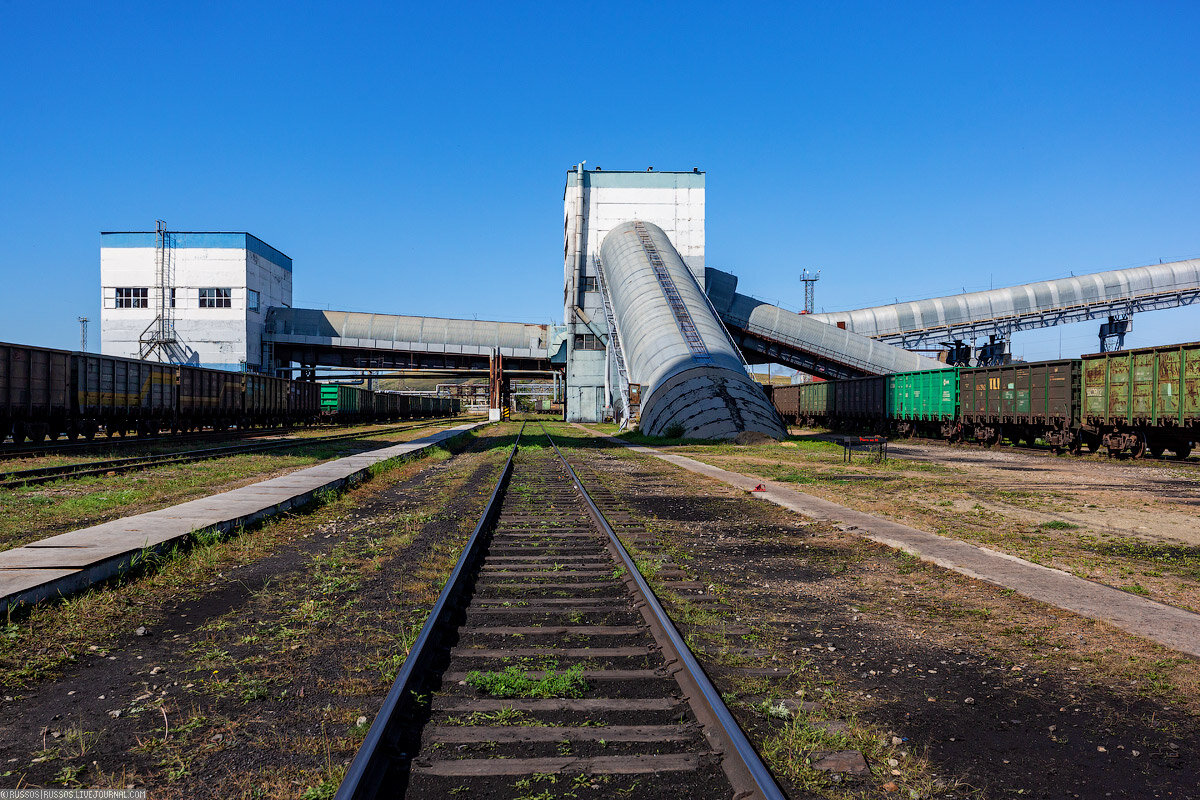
(12, 450)
(371, 763)
(748, 774)
(37, 475)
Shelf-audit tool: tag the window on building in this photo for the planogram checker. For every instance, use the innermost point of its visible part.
(216, 298)
(133, 298)
(251, 300)
(589, 283)
(172, 298)
(588, 341)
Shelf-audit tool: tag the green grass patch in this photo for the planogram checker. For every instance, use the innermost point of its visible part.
(1058, 525)
(515, 682)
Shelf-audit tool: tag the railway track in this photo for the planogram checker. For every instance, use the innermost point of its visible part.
(30, 477)
(548, 660)
(1045, 449)
(9, 450)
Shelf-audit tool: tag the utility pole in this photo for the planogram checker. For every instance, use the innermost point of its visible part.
(810, 281)
(83, 321)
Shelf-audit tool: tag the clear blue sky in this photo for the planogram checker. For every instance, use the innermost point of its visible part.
(410, 157)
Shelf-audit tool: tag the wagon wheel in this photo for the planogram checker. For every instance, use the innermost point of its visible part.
(1183, 451)
(1139, 449)
(1075, 447)
(1157, 449)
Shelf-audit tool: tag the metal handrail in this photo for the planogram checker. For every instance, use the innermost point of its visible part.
(614, 339)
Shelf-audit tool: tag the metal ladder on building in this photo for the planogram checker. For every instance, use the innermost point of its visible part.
(614, 341)
(683, 318)
(159, 335)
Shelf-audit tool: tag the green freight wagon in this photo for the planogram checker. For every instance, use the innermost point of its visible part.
(346, 402)
(1023, 402)
(1143, 399)
(813, 401)
(924, 402)
(803, 403)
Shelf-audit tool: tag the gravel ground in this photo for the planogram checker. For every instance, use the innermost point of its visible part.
(246, 668)
(982, 693)
(1130, 525)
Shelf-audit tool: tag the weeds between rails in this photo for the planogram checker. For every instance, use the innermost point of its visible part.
(548, 658)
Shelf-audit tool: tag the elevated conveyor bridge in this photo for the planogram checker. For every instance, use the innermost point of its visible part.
(923, 324)
(354, 341)
(768, 333)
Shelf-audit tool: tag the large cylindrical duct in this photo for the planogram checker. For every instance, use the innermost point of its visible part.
(674, 346)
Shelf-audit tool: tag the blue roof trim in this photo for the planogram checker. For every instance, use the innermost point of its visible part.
(213, 239)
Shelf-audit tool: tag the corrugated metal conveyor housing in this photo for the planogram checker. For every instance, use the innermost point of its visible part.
(1032, 305)
(397, 332)
(674, 345)
(802, 340)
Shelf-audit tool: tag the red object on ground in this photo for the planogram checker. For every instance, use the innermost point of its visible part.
(759, 488)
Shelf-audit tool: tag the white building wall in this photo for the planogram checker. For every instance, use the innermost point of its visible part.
(222, 338)
(674, 201)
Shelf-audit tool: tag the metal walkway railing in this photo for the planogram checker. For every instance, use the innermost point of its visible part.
(683, 318)
(614, 341)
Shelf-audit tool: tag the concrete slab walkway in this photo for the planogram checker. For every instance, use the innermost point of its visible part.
(70, 562)
(1169, 626)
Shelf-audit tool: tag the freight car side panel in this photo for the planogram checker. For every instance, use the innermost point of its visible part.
(197, 394)
(123, 387)
(1153, 387)
(861, 398)
(813, 399)
(353, 400)
(1041, 392)
(266, 395)
(329, 398)
(787, 401)
(1167, 384)
(931, 395)
(1141, 386)
(1190, 367)
(1118, 388)
(33, 382)
(304, 399)
(1095, 389)
(972, 390)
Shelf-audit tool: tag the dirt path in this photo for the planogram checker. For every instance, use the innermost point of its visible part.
(1122, 524)
(1157, 501)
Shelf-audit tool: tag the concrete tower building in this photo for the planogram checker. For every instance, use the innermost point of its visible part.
(594, 202)
(223, 285)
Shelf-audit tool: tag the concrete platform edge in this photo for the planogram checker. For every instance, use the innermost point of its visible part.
(115, 566)
(1167, 625)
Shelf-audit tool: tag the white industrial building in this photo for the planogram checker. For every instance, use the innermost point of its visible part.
(594, 202)
(220, 286)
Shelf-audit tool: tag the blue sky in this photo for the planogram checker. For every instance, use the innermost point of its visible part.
(411, 159)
